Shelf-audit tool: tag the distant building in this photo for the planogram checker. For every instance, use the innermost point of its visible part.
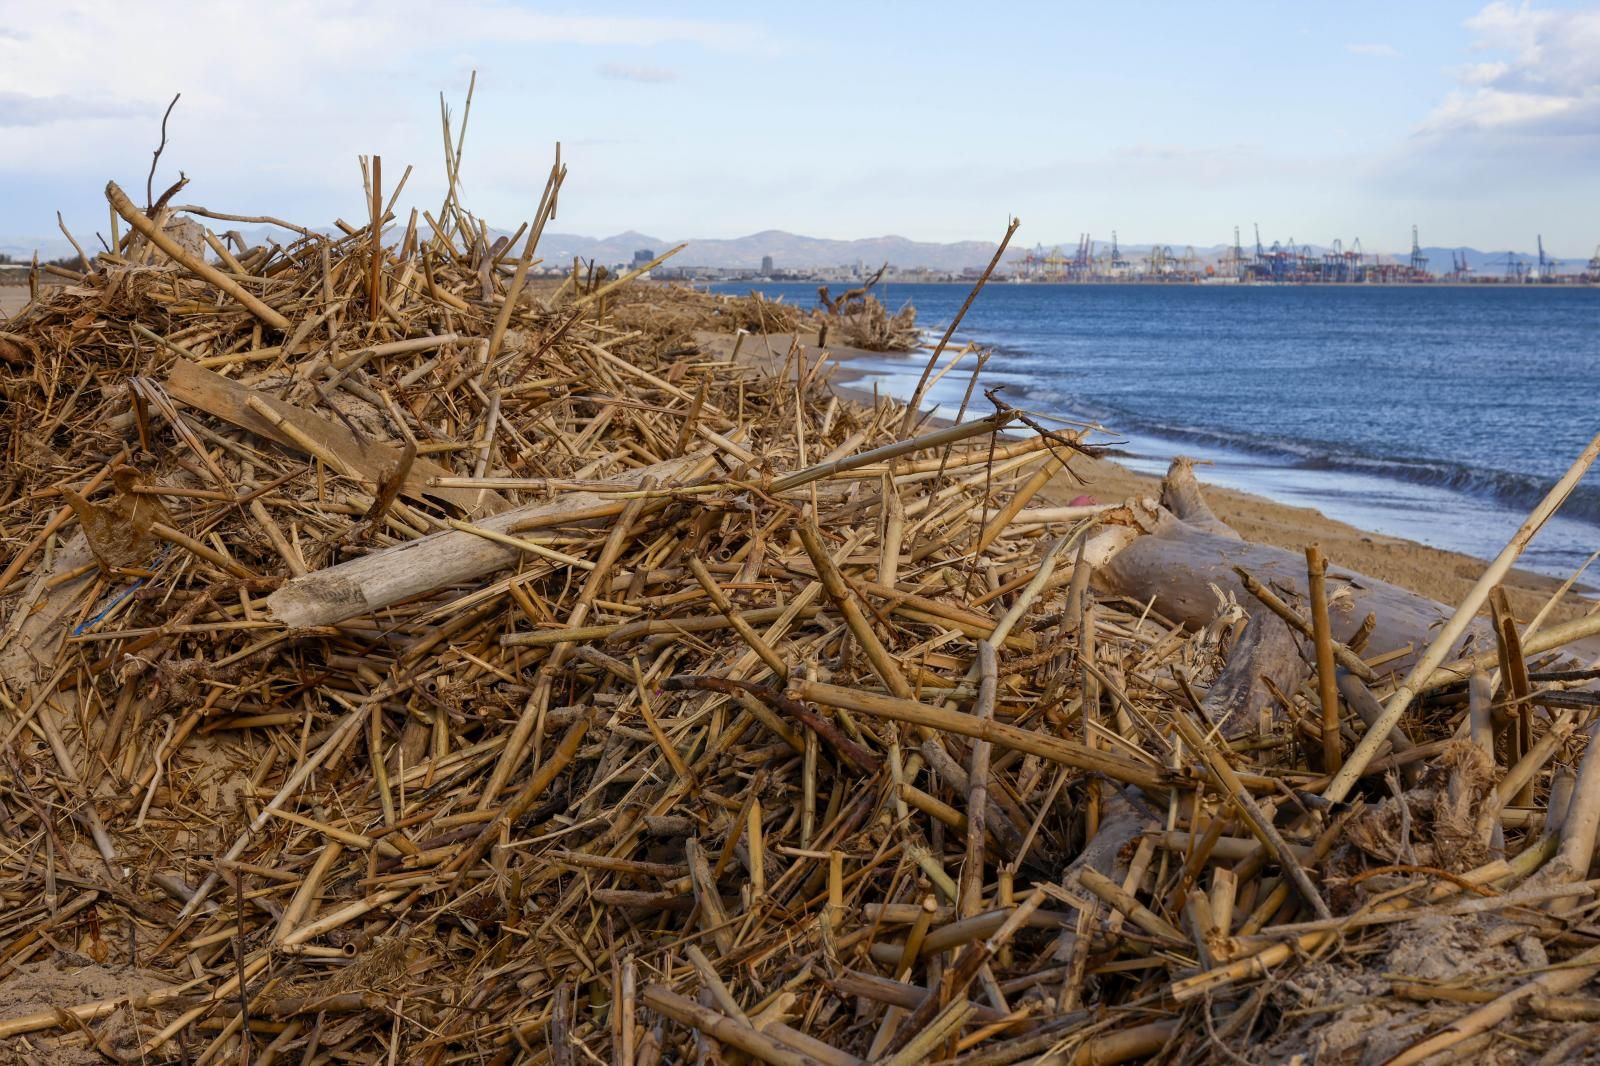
(766, 264)
(643, 256)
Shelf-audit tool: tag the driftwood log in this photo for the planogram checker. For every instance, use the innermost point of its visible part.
(1187, 559)
(441, 559)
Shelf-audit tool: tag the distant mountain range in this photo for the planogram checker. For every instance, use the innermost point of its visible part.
(21, 249)
(790, 251)
(794, 252)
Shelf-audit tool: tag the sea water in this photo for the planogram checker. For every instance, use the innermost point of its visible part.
(1437, 413)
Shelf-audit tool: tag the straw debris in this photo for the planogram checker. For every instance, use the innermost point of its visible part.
(406, 658)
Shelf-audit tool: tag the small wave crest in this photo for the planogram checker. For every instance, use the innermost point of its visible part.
(1504, 486)
(1517, 490)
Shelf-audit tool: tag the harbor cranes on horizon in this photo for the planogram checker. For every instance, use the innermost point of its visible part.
(1547, 265)
(1290, 262)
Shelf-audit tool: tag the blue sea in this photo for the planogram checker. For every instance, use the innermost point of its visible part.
(1437, 413)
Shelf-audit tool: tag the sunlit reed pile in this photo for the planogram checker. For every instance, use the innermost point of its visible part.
(404, 660)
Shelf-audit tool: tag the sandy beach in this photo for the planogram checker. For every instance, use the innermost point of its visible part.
(1442, 575)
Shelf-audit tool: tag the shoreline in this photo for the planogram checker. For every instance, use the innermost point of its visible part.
(1438, 573)
(1167, 373)
(1224, 283)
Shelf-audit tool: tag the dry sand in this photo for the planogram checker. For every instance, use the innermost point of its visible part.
(1442, 575)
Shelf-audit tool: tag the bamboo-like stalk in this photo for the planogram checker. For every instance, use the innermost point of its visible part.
(1581, 818)
(971, 901)
(547, 208)
(746, 632)
(1322, 637)
(746, 1038)
(1019, 499)
(1346, 657)
(1556, 636)
(712, 916)
(912, 405)
(892, 537)
(1514, 679)
(1065, 752)
(39, 1021)
(1116, 896)
(158, 237)
(1347, 776)
(937, 438)
(1230, 785)
(1521, 774)
(1574, 974)
(844, 601)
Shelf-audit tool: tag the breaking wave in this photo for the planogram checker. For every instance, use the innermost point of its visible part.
(1519, 491)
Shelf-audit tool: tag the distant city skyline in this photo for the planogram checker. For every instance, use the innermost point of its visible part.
(1479, 122)
(779, 250)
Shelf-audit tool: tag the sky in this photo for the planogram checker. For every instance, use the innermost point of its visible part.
(1170, 122)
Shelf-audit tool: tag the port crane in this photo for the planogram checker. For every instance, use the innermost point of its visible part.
(1233, 261)
(1419, 262)
(1547, 264)
(1118, 264)
(1354, 261)
(1055, 265)
(1083, 257)
(1333, 262)
(1029, 266)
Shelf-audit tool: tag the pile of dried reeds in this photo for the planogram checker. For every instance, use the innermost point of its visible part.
(859, 319)
(871, 327)
(403, 665)
(677, 312)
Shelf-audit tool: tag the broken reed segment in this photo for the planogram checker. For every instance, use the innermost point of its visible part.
(539, 673)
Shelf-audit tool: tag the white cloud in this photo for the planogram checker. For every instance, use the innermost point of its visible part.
(1213, 166)
(279, 98)
(505, 22)
(636, 72)
(1490, 109)
(1547, 84)
(21, 109)
(1482, 73)
(1377, 51)
(93, 47)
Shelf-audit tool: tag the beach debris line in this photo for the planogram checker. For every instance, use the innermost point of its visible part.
(859, 320)
(404, 659)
